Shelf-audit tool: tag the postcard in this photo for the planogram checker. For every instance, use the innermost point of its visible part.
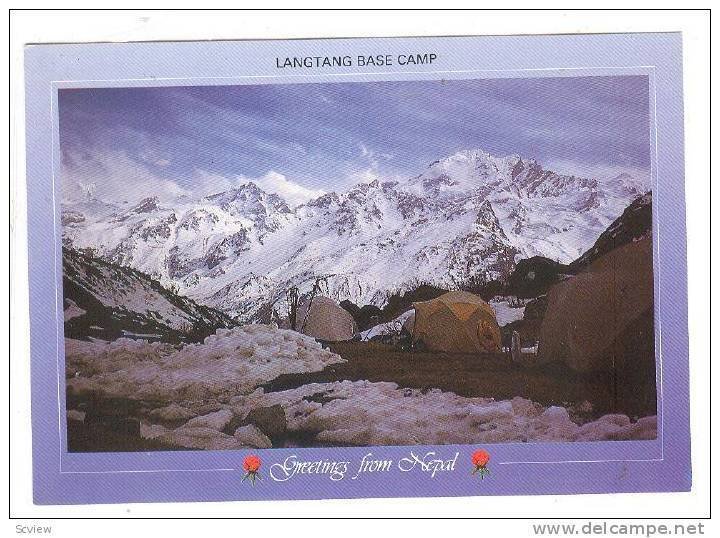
(349, 268)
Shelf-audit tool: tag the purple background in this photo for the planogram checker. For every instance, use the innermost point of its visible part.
(533, 468)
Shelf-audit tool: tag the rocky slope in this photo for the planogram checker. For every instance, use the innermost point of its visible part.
(105, 300)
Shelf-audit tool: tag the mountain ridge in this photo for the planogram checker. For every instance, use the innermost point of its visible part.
(470, 216)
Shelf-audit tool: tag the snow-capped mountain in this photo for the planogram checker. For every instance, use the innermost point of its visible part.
(466, 218)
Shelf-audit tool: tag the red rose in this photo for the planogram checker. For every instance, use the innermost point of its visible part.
(252, 464)
(480, 458)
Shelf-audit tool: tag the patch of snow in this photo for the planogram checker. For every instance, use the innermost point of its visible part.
(216, 421)
(200, 438)
(391, 327)
(230, 362)
(364, 414)
(172, 412)
(505, 311)
(151, 431)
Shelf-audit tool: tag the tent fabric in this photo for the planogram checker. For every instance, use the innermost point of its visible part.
(587, 313)
(326, 321)
(456, 322)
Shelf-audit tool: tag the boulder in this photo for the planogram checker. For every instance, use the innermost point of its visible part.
(535, 276)
(642, 430)
(251, 436)
(270, 420)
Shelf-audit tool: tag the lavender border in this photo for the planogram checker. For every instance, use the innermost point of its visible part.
(538, 468)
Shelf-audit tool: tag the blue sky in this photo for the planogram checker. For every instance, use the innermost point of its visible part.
(304, 139)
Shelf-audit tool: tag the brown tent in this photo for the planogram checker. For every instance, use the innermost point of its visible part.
(326, 320)
(456, 322)
(591, 315)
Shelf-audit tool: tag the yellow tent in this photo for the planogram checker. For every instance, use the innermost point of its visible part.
(456, 322)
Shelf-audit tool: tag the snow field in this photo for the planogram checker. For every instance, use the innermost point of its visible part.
(364, 413)
(232, 361)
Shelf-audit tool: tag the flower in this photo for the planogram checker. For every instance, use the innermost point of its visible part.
(251, 464)
(480, 459)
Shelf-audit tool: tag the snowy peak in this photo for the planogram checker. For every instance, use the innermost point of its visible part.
(465, 170)
(479, 171)
(147, 205)
(248, 199)
(469, 217)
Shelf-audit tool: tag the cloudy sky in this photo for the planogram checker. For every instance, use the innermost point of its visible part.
(301, 140)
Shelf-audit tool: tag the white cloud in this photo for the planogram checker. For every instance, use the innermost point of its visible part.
(273, 182)
(600, 172)
(114, 177)
(362, 176)
(293, 193)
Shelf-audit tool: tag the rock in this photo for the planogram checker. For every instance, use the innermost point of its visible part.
(617, 419)
(584, 407)
(642, 430)
(534, 276)
(216, 421)
(251, 436)
(75, 415)
(207, 409)
(271, 420)
(199, 438)
(172, 413)
(522, 406)
(496, 411)
(536, 308)
(600, 430)
(555, 414)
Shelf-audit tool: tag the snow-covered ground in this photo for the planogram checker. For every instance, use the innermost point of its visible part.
(391, 327)
(361, 413)
(365, 413)
(230, 362)
(505, 312)
(197, 391)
